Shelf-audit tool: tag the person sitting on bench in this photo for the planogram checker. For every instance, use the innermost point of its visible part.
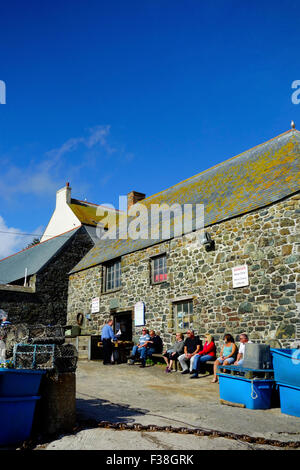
(174, 351)
(140, 350)
(227, 355)
(153, 346)
(208, 353)
(240, 357)
(192, 346)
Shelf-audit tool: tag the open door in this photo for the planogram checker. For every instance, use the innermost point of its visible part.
(123, 323)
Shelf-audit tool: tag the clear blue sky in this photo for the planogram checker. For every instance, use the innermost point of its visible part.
(117, 95)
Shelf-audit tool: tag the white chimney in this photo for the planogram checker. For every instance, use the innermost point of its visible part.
(63, 196)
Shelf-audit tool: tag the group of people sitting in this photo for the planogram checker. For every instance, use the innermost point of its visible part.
(189, 352)
(149, 343)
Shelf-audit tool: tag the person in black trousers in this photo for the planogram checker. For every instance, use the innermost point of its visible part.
(107, 336)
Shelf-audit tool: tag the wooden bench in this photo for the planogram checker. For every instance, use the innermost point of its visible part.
(157, 357)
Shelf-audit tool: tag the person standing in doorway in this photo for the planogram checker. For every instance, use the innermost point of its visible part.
(107, 336)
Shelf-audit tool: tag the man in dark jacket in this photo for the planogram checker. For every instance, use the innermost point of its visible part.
(154, 346)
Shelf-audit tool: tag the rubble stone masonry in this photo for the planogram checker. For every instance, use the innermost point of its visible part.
(45, 301)
(267, 240)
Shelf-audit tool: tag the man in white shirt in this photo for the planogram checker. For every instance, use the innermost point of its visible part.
(240, 357)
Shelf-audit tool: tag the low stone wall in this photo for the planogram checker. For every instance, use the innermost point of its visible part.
(56, 409)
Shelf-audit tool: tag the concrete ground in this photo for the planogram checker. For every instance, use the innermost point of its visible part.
(129, 394)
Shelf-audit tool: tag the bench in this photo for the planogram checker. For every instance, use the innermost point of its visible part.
(156, 357)
(159, 358)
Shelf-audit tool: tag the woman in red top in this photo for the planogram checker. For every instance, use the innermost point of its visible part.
(208, 353)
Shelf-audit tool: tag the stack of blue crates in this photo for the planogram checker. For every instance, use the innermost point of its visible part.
(18, 397)
(286, 364)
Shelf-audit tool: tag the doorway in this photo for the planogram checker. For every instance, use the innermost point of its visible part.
(123, 324)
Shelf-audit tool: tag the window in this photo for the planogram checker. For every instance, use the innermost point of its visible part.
(159, 269)
(112, 276)
(183, 312)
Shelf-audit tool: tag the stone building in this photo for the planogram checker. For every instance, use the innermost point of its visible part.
(34, 282)
(244, 277)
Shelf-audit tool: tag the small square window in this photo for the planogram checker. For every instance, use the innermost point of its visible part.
(159, 269)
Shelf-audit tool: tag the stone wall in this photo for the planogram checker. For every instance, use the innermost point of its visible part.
(56, 410)
(46, 301)
(267, 240)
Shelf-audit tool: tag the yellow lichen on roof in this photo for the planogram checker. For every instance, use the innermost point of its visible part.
(92, 215)
(256, 178)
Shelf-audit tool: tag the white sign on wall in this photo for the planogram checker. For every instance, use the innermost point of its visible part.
(139, 314)
(95, 305)
(240, 276)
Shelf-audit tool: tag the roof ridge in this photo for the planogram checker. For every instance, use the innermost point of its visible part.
(38, 244)
(222, 163)
(93, 204)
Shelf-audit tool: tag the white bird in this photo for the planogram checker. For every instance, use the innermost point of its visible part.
(293, 125)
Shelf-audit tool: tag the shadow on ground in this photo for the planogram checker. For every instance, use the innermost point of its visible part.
(98, 409)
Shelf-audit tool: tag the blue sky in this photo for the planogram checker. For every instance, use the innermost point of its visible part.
(117, 95)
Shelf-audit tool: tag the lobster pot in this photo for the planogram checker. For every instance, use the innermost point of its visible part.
(33, 356)
(65, 358)
(254, 394)
(41, 334)
(62, 358)
(31, 334)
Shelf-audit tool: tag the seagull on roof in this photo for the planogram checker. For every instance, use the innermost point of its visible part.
(293, 125)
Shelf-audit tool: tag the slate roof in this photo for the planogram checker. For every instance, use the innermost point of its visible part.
(256, 178)
(34, 258)
(90, 214)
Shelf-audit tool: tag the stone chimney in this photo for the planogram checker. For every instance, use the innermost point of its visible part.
(63, 195)
(133, 197)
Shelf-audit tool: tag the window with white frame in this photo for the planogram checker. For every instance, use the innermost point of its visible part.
(159, 269)
(183, 313)
(112, 275)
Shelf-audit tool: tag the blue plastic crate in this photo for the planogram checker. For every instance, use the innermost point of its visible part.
(255, 394)
(286, 365)
(289, 399)
(20, 382)
(16, 419)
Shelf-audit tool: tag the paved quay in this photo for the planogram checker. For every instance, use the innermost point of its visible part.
(132, 395)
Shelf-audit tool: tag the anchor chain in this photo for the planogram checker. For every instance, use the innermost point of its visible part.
(201, 432)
